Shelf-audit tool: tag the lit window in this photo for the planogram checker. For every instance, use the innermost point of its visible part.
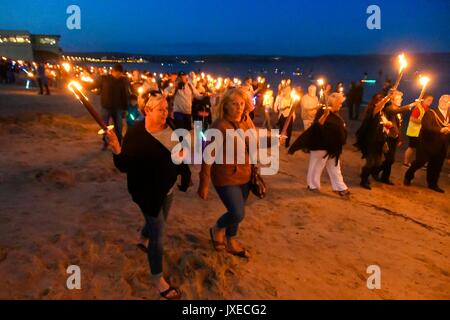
(15, 39)
(49, 41)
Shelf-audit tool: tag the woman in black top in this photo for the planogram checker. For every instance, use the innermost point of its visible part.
(146, 159)
(393, 112)
(371, 137)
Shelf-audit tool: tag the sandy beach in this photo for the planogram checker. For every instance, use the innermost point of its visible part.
(62, 202)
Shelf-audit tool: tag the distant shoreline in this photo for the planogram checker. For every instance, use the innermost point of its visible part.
(245, 57)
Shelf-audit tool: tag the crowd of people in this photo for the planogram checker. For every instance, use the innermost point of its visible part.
(44, 75)
(173, 101)
(155, 105)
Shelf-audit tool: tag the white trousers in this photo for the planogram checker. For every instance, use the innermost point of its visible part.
(317, 163)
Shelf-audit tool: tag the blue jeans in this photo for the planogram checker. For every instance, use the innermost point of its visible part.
(154, 230)
(233, 197)
(116, 116)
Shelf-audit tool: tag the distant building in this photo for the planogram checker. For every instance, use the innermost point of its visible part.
(21, 45)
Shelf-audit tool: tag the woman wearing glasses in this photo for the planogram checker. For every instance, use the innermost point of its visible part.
(146, 158)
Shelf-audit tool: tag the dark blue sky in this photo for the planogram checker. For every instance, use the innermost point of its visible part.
(289, 27)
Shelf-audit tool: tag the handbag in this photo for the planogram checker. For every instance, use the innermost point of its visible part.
(257, 185)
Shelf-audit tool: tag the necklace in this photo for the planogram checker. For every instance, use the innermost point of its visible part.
(444, 123)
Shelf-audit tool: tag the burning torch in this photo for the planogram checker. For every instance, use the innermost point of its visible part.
(403, 64)
(77, 90)
(424, 82)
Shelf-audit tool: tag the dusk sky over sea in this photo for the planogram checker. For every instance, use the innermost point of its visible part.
(268, 27)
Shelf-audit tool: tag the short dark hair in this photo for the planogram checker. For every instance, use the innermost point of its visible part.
(427, 95)
(118, 67)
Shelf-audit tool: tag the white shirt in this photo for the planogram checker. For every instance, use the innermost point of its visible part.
(309, 106)
(184, 97)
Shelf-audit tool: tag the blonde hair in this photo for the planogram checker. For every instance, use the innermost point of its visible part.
(228, 96)
(153, 102)
(336, 97)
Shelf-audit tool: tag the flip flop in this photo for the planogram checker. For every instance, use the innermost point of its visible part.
(165, 294)
(241, 254)
(217, 245)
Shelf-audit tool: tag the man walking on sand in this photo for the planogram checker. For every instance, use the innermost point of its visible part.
(115, 94)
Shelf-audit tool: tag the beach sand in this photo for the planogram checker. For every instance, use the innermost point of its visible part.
(63, 203)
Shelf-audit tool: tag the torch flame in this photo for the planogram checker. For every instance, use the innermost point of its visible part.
(66, 66)
(267, 97)
(424, 80)
(86, 79)
(29, 74)
(294, 96)
(320, 82)
(402, 61)
(76, 85)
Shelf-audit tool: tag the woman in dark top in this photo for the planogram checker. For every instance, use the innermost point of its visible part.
(146, 159)
(433, 144)
(393, 112)
(371, 137)
(325, 140)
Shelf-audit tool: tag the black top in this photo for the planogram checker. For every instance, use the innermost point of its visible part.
(114, 92)
(331, 136)
(391, 111)
(370, 137)
(150, 170)
(431, 140)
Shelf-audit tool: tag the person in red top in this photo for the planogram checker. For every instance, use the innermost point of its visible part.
(414, 126)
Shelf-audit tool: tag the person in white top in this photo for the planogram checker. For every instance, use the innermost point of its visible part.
(283, 105)
(184, 95)
(268, 107)
(309, 106)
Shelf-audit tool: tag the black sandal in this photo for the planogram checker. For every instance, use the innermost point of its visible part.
(217, 245)
(165, 294)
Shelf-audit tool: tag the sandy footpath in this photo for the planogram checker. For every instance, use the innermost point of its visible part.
(62, 202)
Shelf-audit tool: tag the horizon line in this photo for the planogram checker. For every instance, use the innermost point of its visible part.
(268, 55)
